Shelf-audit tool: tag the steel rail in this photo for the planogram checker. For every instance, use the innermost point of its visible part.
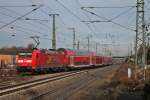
(26, 85)
(79, 85)
(27, 82)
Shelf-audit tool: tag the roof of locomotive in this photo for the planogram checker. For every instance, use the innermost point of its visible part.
(25, 50)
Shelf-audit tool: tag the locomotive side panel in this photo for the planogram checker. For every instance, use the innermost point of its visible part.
(51, 60)
(99, 60)
(81, 60)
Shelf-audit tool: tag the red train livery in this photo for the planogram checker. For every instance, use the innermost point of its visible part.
(61, 59)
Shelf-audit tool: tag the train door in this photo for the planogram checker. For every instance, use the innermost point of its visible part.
(71, 60)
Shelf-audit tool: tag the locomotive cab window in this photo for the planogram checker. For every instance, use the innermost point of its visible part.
(25, 55)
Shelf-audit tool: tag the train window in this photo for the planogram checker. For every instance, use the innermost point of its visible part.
(25, 55)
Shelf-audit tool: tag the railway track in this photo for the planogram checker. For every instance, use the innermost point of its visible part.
(18, 87)
(3, 84)
(73, 88)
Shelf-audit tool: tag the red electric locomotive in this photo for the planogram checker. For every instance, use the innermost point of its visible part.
(61, 59)
(41, 60)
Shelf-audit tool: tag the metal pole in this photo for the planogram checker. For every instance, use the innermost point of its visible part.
(54, 31)
(96, 47)
(54, 35)
(74, 37)
(88, 43)
(140, 36)
(144, 53)
(136, 42)
(78, 45)
(148, 41)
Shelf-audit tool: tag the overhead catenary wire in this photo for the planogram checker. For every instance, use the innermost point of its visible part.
(10, 40)
(24, 18)
(87, 16)
(41, 35)
(63, 22)
(68, 10)
(119, 15)
(19, 17)
(19, 5)
(74, 13)
(26, 29)
(77, 17)
(110, 7)
(26, 35)
(46, 13)
(109, 20)
(12, 33)
(43, 38)
(122, 13)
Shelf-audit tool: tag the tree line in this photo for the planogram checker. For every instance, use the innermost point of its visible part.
(14, 49)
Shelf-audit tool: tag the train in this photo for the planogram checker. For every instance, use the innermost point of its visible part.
(43, 60)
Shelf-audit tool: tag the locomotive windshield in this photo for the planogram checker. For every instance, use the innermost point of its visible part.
(25, 55)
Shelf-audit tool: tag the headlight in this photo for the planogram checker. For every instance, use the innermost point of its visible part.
(28, 61)
(20, 61)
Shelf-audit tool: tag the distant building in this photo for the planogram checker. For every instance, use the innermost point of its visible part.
(7, 60)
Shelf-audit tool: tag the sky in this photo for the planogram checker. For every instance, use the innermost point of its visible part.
(109, 36)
